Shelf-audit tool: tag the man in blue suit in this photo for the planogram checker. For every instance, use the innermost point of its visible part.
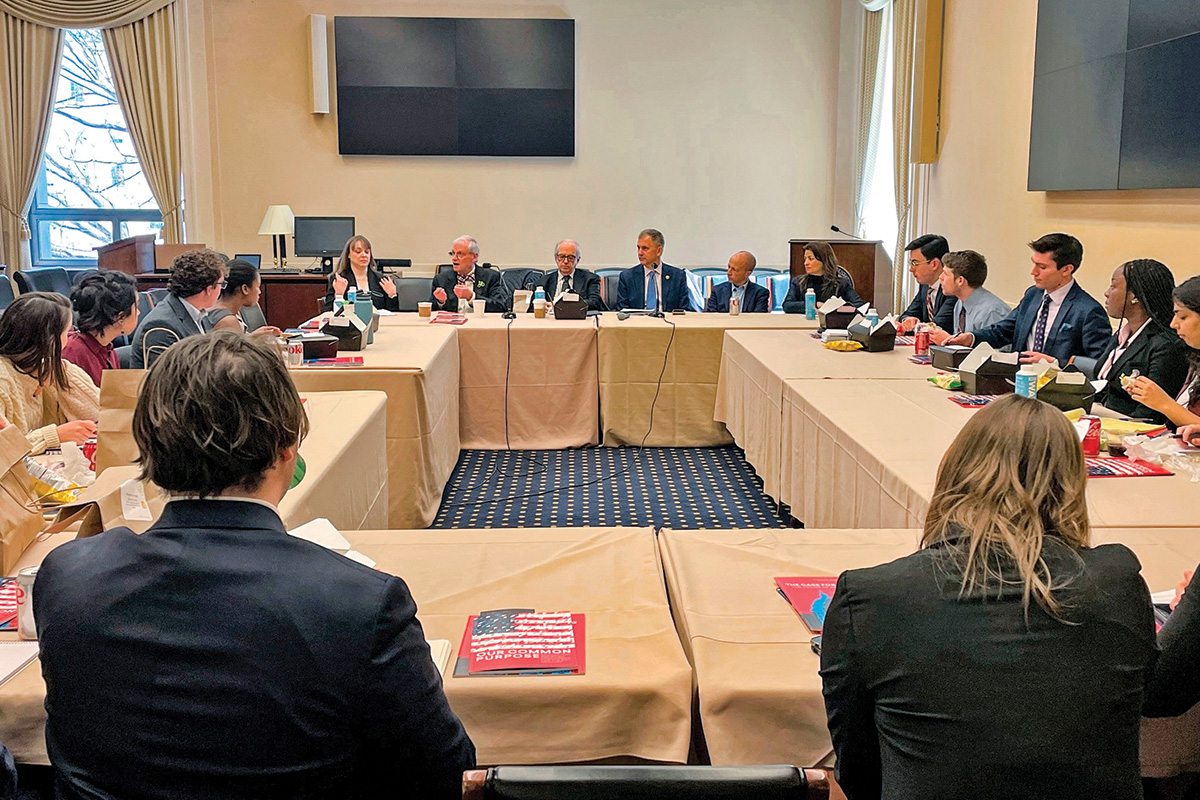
(1056, 319)
(216, 656)
(751, 296)
(652, 284)
(931, 304)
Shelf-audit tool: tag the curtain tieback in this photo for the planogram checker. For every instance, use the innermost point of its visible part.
(26, 233)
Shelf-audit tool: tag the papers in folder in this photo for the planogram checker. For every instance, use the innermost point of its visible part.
(321, 531)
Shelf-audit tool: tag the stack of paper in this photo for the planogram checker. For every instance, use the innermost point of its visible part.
(321, 531)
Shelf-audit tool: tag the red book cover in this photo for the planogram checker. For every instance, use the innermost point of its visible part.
(523, 640)
(8, 604)
(447, 318)
(1101, 467)
(809, 597)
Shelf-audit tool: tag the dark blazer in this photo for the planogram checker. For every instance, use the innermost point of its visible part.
(931, 695)
(1080, 329)
(943, 307)
(1174, 686)
(217, 656)
(487, 285)
(1159, 355)
(843, 287)
(166, 324)
(379, 297)
(756, 300)
(631, 288)
(584, 282)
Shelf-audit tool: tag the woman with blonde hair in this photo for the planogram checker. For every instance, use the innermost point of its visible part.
(356, 267)
(1005, 658)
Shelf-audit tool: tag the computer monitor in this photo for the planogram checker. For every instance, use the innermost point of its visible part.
(323, 238)
(253, 259)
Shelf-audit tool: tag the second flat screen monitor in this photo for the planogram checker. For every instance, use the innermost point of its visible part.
(438, 86)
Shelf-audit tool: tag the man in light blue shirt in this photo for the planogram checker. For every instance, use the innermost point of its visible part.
(963, 274)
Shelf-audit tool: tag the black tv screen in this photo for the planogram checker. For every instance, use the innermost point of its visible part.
(1114, 97)
(425, 86)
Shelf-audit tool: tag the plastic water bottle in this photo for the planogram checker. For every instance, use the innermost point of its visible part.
(810, 304)
(352, 295)
(1026, 381)
(539, 293)
(872, 317)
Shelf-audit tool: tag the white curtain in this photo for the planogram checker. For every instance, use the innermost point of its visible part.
(870, 105)
(903, 32)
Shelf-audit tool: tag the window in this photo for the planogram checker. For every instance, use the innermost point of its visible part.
(90, 190)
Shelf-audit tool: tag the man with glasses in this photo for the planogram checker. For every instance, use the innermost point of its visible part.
(468, 283)
(570, 278)
(197, 279)
(931, 304)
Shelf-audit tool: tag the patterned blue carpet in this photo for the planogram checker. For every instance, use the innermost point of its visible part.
(671, 487)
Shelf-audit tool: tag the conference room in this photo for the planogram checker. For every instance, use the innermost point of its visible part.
(772, 399)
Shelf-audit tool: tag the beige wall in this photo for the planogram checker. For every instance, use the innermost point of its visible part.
(713, 121)
(976, 192)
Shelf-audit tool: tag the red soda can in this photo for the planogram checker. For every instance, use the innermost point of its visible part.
(921, 342)
(1091, 441)
(89, 452)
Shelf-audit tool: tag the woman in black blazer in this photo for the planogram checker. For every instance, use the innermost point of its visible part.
(1005, 658)
(824, 276)
(1139, 298)
(357, 267)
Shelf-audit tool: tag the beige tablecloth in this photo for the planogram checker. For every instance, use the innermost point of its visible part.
(864, 454)
(632, 354)
(635, 698)
(754, 365)
(553, 396)
(417, 368)
(756, 674)
(345, 456)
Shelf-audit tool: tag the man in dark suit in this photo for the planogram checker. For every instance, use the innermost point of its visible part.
(468, 283)
(1056, 319)
(752, 298)
(197, 278)
(570, 278)
(216, 656)
(652, 284)
(931, 304)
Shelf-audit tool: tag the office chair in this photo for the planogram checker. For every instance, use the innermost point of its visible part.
(646, 783)
(46, 279)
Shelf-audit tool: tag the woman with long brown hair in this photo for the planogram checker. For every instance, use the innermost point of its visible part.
(50, 399)
(356, 267)
(824, 276)
(1005, 658)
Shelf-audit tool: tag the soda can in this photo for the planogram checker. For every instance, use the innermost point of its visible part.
(89, 452)
(295, 353)
(26, 628)
(1091, 441)
(921, 341)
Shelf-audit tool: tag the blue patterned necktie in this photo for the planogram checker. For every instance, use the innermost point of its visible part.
(652, 291)
(1039, 330)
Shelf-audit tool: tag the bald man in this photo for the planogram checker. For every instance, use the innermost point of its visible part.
(752, 298)
(570, 278)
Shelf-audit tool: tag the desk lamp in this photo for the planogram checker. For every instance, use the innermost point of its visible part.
(278, 222)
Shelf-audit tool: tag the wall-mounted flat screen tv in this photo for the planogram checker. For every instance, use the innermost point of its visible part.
(428, 86)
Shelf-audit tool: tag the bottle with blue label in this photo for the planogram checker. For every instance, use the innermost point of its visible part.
(539, 293)
(810, 304)
(352, 295)
(1025, 382)
(872, 317)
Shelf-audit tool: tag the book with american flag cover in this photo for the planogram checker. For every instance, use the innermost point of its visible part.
(521, 641)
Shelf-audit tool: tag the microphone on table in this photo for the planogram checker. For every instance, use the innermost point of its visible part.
(836, 229)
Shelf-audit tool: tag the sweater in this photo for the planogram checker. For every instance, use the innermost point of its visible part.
(39, 414)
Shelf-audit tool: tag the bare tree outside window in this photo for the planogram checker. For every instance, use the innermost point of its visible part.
(91, 190)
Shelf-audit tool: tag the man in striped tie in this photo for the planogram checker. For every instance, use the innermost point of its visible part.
(931, 304)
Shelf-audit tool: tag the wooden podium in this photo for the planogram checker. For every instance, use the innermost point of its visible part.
(866, 261)
(139, 255)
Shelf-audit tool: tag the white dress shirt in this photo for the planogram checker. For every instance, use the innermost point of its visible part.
(1122, 346)
(1056, 301)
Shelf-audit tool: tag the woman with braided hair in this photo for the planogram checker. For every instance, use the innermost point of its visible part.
(1156, 390)
(1139, 298)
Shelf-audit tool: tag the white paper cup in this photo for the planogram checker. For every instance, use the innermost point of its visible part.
(539, 308)
(479, 306)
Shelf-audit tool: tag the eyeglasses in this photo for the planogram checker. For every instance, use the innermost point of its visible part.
(569, 259)
(915, 263)
(452, 254)
(222, 285)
